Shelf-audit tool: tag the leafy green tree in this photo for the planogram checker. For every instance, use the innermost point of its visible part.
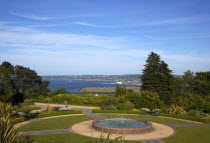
(60, 91)
(202, 83)
(6, 81)
(150, 100)
(188, 81)
(119, 91)
(192, 101)
(18, 83)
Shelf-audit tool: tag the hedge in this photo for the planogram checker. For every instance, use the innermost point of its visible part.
(185, 117)
(115, 111)
(56, 113)
(18, 120)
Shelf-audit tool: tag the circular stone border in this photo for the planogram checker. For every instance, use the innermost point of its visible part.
(145, 129)
(160, 131)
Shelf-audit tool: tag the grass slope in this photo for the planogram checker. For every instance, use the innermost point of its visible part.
(54, 123)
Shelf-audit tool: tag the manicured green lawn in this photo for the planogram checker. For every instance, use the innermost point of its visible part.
(54, 123)
(65, 138)
(149, 118)
(190, 135)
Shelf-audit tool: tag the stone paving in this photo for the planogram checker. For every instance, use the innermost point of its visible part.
(88, 111)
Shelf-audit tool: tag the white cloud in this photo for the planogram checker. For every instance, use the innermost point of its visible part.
(59, 53)
(38, 17)
(83, 23)
(179, 20)
(34, 17)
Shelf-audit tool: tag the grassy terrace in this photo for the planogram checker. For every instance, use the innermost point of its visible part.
(190, 135)
(149, 118)
(106, 89)
(54, 123)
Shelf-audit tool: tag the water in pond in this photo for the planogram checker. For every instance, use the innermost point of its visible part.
(122, 123)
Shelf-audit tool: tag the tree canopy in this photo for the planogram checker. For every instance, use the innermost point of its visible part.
(19, 82)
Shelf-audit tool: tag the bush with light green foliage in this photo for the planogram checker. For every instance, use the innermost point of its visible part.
(176, 110)
(196, 113)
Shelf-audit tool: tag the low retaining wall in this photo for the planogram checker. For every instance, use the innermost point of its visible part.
(145, 129)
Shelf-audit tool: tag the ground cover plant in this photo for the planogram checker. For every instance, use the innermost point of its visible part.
(54, 123)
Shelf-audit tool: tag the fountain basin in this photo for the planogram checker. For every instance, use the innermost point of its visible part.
(125, 125)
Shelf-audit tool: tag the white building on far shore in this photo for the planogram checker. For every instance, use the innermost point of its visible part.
(118, 82)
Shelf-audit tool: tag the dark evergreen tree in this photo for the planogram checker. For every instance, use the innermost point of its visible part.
(202, 83)
(151, 73)
(157, 77)
(165, 89)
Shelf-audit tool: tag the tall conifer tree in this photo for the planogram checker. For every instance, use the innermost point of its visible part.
(151, 73)
(157, 77)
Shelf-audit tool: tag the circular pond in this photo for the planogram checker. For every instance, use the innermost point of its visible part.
(122, 125)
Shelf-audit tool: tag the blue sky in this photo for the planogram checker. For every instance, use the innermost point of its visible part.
(74, 37)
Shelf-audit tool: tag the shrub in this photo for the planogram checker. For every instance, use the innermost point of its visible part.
(59, 91)
(35, 108)
(122, 106)
(18, 120)
(111, 101)
(129, 105)
(56, 108)
(185, 117)
(116, 111)
(8, 134)
(90, 99)
(31, 115)
(65, 109)
(145, 110)
(176, 110)
(191, 101)
(150, 111)
(36, 111)
(196, 113)
(71, 99)
(47, 109)
(28, 102)
(108, 108)
(21, 114)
